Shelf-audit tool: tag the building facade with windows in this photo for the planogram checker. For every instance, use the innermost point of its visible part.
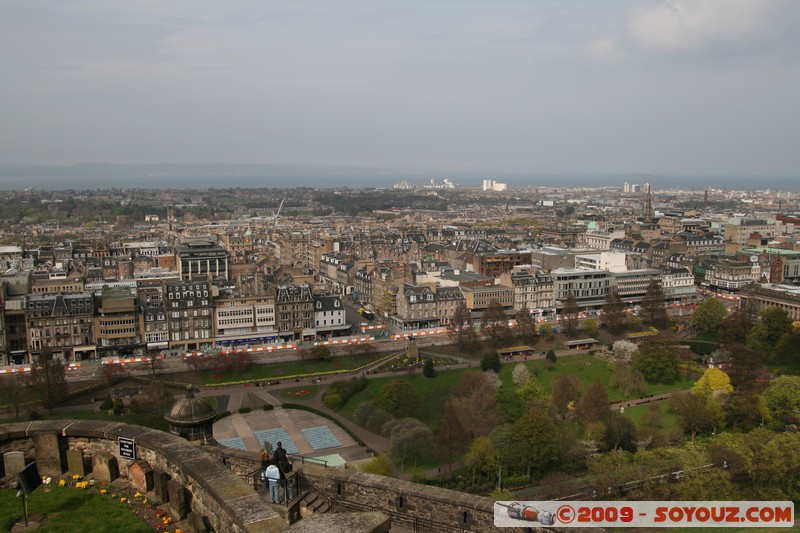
(189, 309)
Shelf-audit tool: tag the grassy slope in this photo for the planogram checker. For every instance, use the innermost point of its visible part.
(71, 510)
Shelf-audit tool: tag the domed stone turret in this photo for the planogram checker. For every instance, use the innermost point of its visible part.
(191, 418)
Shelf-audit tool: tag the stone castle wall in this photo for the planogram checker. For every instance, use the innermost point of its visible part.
(424, 507)
(211, 489)
(213, 478)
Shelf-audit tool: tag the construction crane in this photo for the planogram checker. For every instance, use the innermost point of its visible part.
(278, 214)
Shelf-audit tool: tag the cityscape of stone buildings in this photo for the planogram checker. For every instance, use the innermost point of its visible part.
(190, 282)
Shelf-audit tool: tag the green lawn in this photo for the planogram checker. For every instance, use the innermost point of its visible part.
(71, 510)
(151, 419)
(588, 369)
(669, 418)
(294, 368)
(433, 392)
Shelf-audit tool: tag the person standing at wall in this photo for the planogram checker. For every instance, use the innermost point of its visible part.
(272, 475)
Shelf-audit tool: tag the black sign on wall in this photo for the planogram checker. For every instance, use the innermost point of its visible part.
(127, 448)
(29, 478)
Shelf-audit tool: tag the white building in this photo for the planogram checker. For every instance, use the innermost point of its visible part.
(492, 185)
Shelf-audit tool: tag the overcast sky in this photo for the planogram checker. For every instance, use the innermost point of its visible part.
(563, 86)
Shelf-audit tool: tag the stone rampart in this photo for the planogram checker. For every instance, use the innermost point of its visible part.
(210, 488)
(422, 507)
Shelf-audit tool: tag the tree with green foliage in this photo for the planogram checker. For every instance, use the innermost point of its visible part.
(494, 323)
(627, 380)
(410, 439)
(697, 413)
(736, 326)
(658, 362)
(747, 370)
(399, 398)
(551, 356)
(613, 313)
(533, 394)
(633, 322)
(620, 433)
(745, 411)
(653, 305)
(490, 361)
(569, 315)
(427, 368)
(712, 381)
(482, 457)
(788, 349)
(765, 336)
(380, 465)
(534, 442)
(783, 399)
(371, 417)
(590, 327)
(709, 315)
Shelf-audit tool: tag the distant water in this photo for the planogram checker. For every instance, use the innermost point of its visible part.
(200, 177)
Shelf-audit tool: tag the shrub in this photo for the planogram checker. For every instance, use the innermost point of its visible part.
(117, 406)
(380, 465)
(427, 370)
(107, 404)
(267, 407)
(520, 480)
(491, 361)
(343, 390)
(34, 415)
(244, 410)
(222, 415)
(332, 400)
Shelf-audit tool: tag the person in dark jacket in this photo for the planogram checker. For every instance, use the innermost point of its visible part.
(279, 454)
(281, 459)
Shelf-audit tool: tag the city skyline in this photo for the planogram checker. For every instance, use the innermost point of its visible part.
(486, 89)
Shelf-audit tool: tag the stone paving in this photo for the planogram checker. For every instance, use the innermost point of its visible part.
(249, 426)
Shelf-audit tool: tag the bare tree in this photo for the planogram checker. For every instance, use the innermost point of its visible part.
(614, 311)
(494, 322)
(14, 392)
(526, 327)
(48, 378)
(460, 329)
(654, 308)
(569, 315)
(155, 362)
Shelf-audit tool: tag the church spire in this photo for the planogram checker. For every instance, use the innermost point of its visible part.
(648, 206)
